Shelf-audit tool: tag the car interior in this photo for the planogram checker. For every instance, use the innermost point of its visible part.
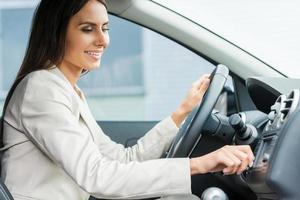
(262, 111)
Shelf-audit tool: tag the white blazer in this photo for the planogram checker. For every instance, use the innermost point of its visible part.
(55, 150)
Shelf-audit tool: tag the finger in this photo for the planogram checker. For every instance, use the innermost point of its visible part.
(200, 92)
(204, 76)
(205, 84)
(228, 164)
(202, 89)
(244, 158)
(247, 149)
(197, 84)
(237, 162)
(226, 158)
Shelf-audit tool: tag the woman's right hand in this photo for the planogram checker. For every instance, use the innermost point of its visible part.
(228, 159)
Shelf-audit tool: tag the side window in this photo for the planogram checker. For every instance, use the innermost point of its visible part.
(15, 23)
(143, 75)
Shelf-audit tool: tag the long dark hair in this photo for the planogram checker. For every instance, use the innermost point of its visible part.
(46, 45)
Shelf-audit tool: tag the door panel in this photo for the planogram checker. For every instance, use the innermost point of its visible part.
(126, 132)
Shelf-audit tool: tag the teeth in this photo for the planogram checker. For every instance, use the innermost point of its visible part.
(92, 53)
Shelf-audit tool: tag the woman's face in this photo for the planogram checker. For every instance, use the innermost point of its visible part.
(87, 37)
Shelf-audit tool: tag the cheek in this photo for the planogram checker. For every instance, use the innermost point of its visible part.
(76, 45)
(70, 47)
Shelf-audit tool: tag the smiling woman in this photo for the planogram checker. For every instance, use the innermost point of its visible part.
(53, 147)
(87, 37)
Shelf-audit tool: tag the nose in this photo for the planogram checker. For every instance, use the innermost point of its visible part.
(102, 39)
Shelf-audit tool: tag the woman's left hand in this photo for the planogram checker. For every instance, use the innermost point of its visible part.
(193, 98)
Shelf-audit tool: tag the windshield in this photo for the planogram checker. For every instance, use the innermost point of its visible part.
(269, 29)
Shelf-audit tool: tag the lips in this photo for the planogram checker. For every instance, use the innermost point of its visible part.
(96, 55)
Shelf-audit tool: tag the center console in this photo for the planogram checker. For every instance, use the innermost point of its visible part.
(256, 177)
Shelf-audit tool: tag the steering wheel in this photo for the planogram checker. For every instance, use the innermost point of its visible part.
(190, 132)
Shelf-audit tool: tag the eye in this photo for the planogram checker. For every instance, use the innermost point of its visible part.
(105, 29)
(87, 29)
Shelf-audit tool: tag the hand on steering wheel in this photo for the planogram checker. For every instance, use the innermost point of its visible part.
(190, 132)
(193, 98)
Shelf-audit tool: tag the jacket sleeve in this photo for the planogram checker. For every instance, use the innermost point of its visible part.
(48, 121)
(151, 146)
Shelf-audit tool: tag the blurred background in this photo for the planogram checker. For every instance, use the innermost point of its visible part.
(143, 76)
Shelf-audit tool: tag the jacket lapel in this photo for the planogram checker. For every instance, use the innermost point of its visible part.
(82, 109)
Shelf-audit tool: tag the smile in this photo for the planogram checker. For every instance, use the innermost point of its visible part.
(94, 54)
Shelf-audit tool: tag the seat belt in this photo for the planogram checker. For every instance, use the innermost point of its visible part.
(7, 99)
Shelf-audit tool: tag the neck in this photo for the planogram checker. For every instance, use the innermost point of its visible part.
(72, 73)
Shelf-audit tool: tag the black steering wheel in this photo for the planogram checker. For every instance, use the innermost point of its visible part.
(190, 132)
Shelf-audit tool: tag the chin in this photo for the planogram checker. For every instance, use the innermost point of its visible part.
(92, 67)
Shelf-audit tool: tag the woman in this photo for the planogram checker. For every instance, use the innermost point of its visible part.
(54, 149)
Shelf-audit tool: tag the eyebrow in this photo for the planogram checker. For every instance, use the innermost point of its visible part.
(92, 23)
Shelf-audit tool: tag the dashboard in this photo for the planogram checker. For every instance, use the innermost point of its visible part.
(275, 172)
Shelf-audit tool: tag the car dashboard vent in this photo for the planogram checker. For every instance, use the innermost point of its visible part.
(283, 107)
(290, 104)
